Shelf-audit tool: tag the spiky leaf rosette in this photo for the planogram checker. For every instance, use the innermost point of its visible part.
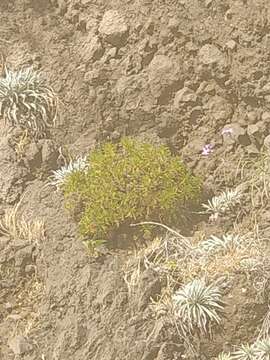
(198, 307)
(59, 176)
(223, 203)
(245, 352)
(224, 356)
(262, 349)
(27, 101)
(217, 244)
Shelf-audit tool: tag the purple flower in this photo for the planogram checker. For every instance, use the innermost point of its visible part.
(226, 131)
(207, 149)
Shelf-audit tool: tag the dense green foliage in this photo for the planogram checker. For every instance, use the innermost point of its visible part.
(127, 182)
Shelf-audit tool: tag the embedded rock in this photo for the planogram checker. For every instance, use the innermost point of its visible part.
(233, 133)
(32, 156)
(185, 95)
(267, 142)
(219, 108)
(265, 116)
(113, 28)
(163, 73)
(210, 54)
(12, 176)
(256, 132)
(19, 345)
(231, 45)
(49, 152)
(92, 49)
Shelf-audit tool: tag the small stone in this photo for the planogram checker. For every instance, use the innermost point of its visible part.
(163, 73)
(210, 54)
(138, 27)
(229, 15)
(195, 113)
(14, 317)
(19, 345)
(208, 3)
(252, 149)
(48, 152)
(265, 90)
(173, 24)
(8, 306)
(194, 147)
(235, 135)
(4, 240)
(267, 142)
(23, 257)
(191, 47)
(92, 49)
(18, 244)
(267, 99)
(265, 116)
(256, 132)
(206, 88)
(115, 135)
(165, 36)
(114, 28)
(7, 284)
(30, 269)
(219, 108)
(62, 7)
(231, 45)
(73, 16)
(253, 129)
(32, 155)
(150, 26)
(111, 54)
(95, 77)
(185, 95)
(53, 306)
(252, 117)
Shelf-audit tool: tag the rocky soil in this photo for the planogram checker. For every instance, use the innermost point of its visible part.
(177, 71)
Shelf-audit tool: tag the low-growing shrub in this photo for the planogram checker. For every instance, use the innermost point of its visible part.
(126, 182)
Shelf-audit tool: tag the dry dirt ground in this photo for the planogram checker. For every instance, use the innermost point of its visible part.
(178, 71)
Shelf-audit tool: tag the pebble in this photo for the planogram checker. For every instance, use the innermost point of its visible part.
(185, 95)
(113, 28)
(231, 45)
(210, 54)
(19, 345)
(265, 116)
(267, 142)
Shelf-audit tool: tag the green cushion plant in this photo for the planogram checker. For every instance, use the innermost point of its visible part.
(126, 182)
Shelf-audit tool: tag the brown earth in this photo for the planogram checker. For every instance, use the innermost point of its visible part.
(178, 71)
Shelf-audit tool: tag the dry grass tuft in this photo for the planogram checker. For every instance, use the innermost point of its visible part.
(20, 144)
(244, 249)
(254, 175)
(16, 227)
